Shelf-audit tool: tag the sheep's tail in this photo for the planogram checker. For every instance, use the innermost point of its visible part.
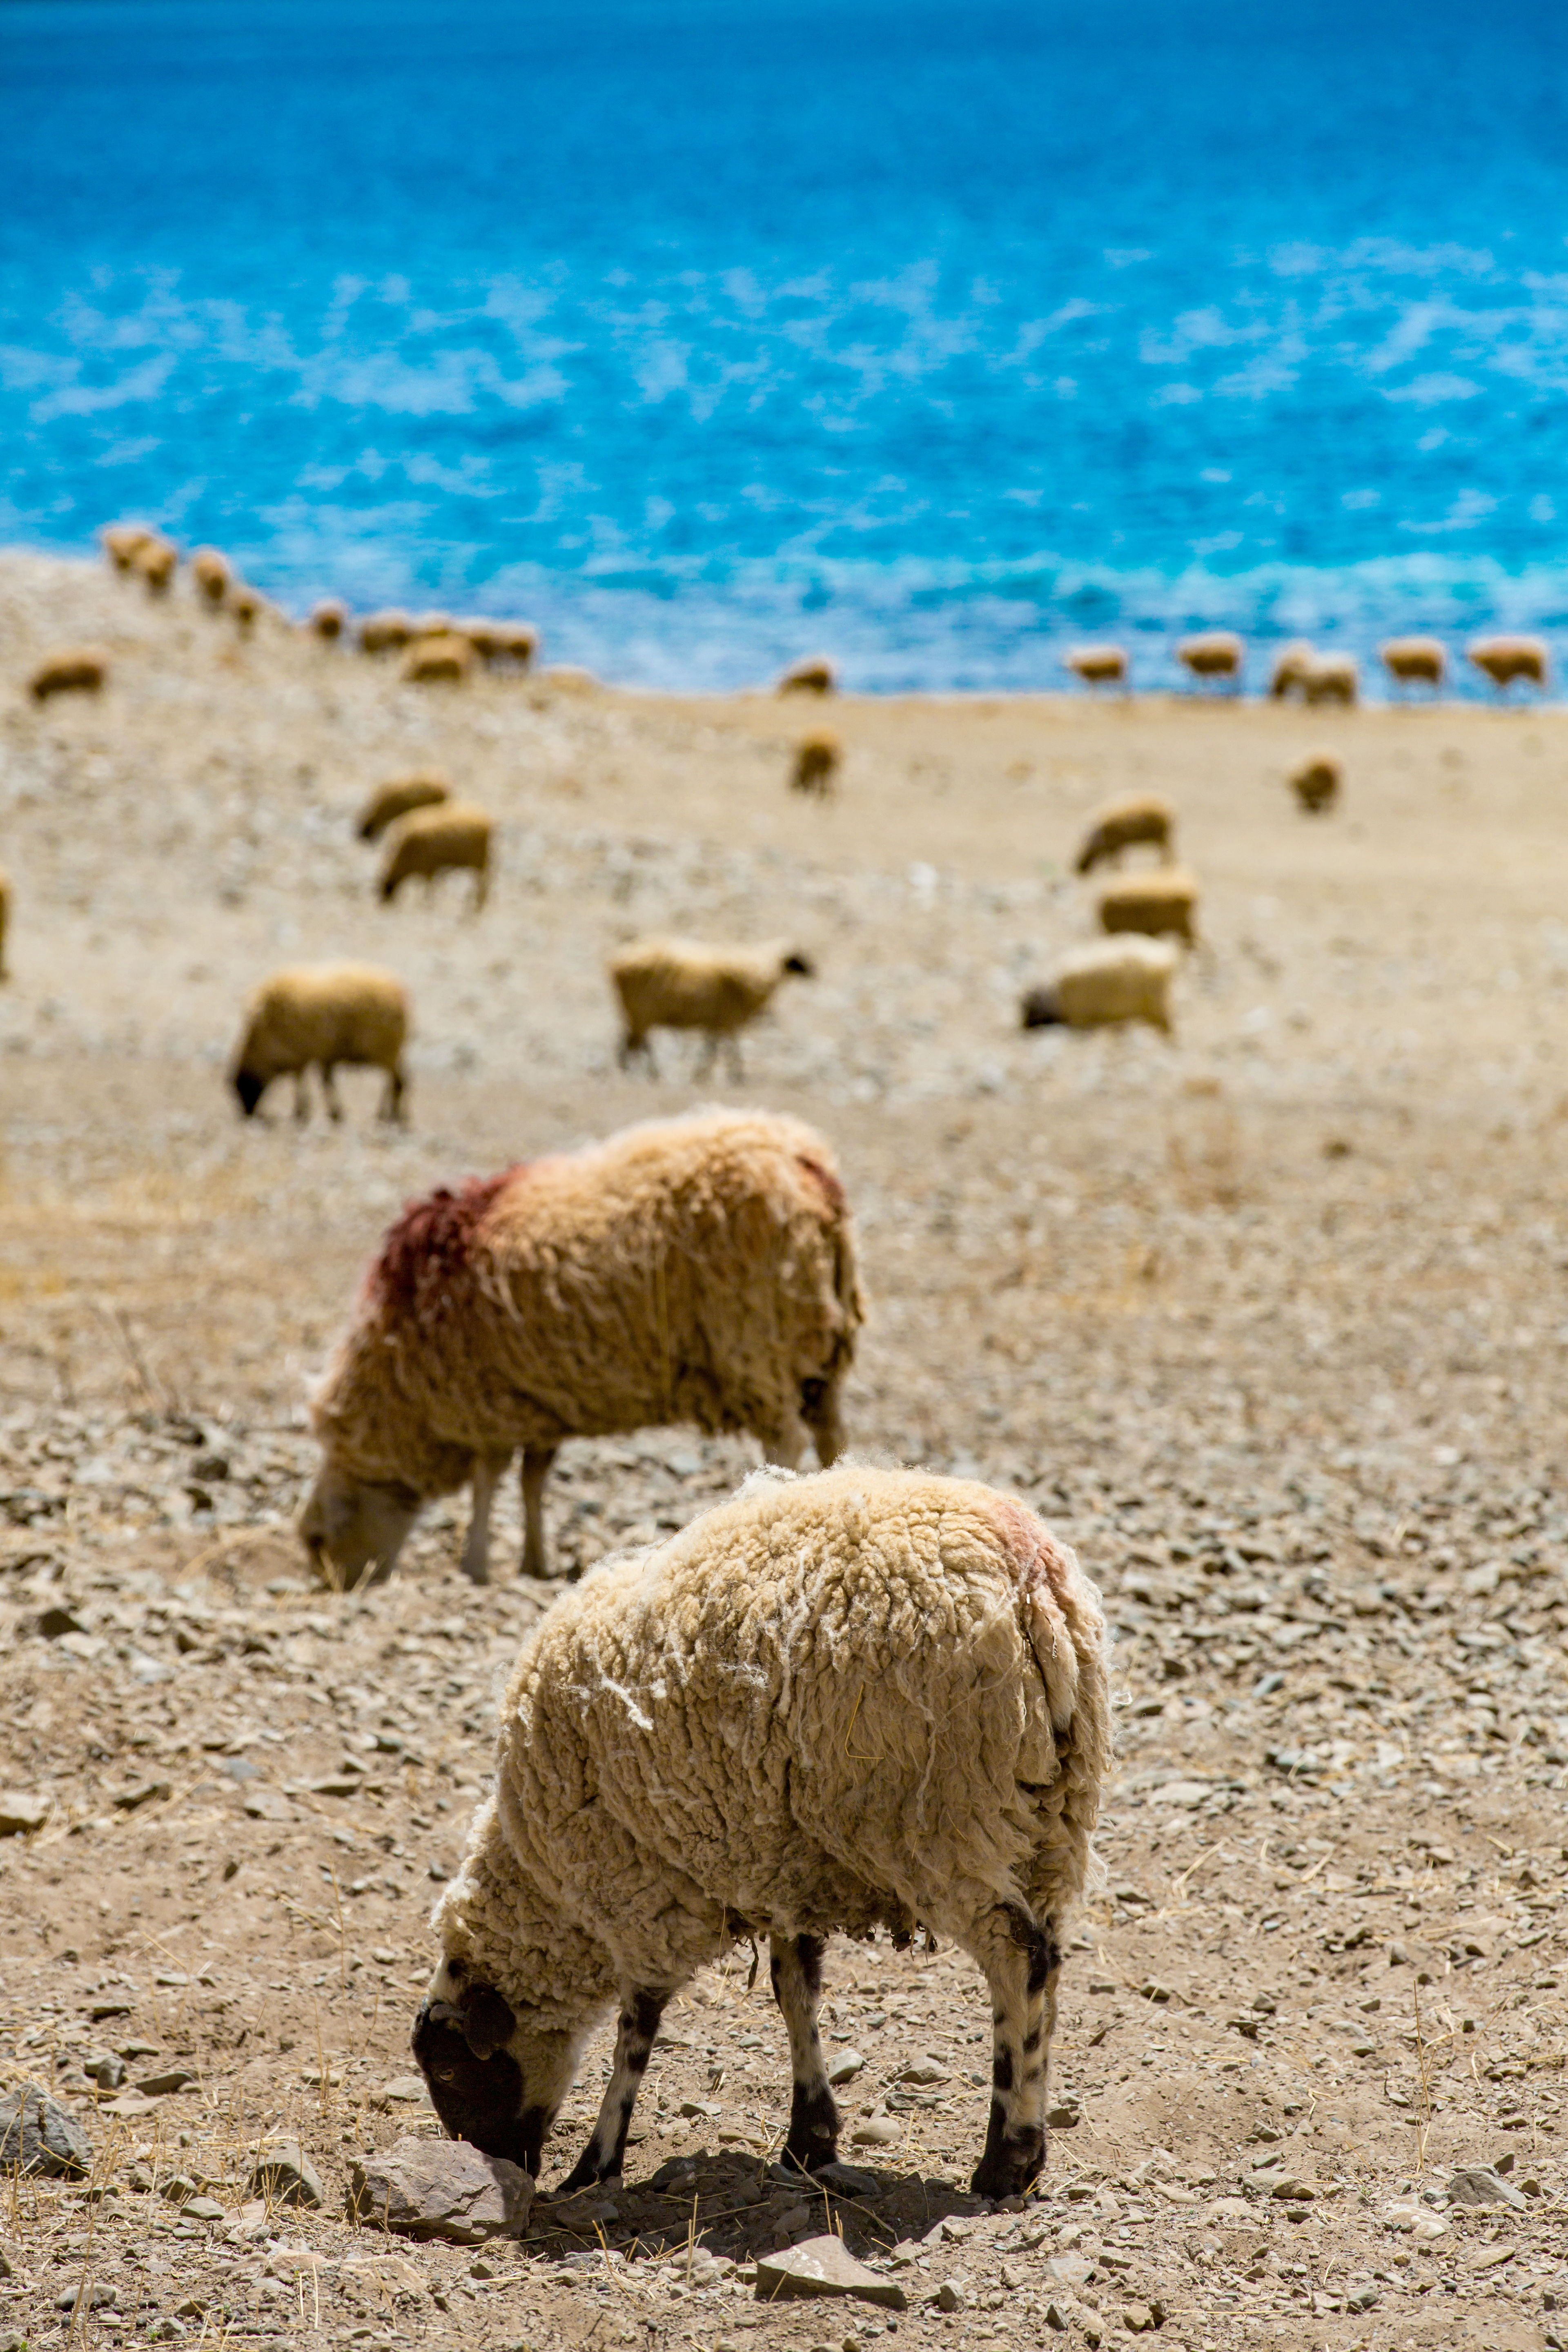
(1062, 1621)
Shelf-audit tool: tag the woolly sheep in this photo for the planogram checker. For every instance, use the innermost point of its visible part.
(1215, 653)
(122, 541)
(155, 562)
(329, 619)
(325, 1013)
(680, 984)
(1097, 665)
(441, 659)
(1503, 659)
(817, 760)
(399, 798)
(1111, 980)
(384, 632)
(1123, 825)
(502, 640)
(698, 1269)
(1288, 675)
(812, 676)
(1414, 661)
(211, 574)
(5, 918)
(1332, 678)
(1316, 780)
(869, 1699)
(70, 669)
(453, 837)
(1155, 904)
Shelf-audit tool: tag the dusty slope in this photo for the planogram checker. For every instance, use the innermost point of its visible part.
(1270, 1322)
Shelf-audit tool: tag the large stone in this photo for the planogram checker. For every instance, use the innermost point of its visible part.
(1480, 2184)
(20, 1815)
(823, 2266)
(40, 2136)
(441, 2189)
(284, 2174)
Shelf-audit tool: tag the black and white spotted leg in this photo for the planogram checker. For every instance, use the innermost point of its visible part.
(1022, 1958)
(635, 2034)
(795, 1966)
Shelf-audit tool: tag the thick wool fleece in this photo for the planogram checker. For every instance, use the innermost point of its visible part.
(863, 1698)
(330, 1012)
(697, 1269)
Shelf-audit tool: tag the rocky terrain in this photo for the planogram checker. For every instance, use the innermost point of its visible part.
(1269, 1321)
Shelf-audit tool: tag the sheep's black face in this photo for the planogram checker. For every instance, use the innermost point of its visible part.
(1039, 1009)
(801, 966)
(475, 2083)
(250, 1089)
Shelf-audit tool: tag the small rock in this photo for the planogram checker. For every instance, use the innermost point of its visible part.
(847, 2180)
(98, 2296)
(823, 2266)
(1070, 2270)
(146, 1792)
(40, 2136)
(21, 1814)
(1141, 2318)
(107, 2070)
(950, 2296)
(165, 2331)
(1482, 2184)
(53, 1622)
(163, 2086)
(921, 2070)
(844, 2066)
(1067, 2116)
(283, 2172)
(876, 2131)
(441, 2189)
(404, 2090)
(202, 2209)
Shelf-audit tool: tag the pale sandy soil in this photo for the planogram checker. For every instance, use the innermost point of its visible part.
(1271, 1321)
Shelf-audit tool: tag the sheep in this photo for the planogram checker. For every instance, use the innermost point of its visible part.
(1503, 660)
(5, 918)
(446, 837)
(322, 1013)
(154, 563)
(329, 619)
(247, 605)
(1215, 653)
(70, 669)
(400, 798)
(697, 1269)
(1414, 661)
(122, 541)
(1288, 675)
(817, 760)
(1152, 903)
(211, 574)
(1097, 665)
(1110, 982)
(1316, 780)
(437, 658)
(1120, 824)
(502, 640)
(1331, 677)
(385, 632)
(865, 1698)
(815, 675)
(681, 985)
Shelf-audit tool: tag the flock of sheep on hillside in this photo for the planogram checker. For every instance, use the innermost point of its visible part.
(863, 1698)
(1300, 672)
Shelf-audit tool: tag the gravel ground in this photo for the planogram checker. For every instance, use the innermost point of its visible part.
(1269, 1322)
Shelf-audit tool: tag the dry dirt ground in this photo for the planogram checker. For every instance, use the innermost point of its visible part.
(1269, 1321)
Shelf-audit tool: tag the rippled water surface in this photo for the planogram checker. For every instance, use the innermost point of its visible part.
(712, 331)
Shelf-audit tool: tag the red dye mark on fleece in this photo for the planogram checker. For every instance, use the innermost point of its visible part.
(1039, 1557)
(827, 1181)
(426, 1253)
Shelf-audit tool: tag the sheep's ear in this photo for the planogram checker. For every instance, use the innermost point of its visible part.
(487, 2022)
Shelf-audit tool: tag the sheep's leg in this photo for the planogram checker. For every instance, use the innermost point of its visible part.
(795, 1965)
(301, 1098)
(819, 1410)
(482, 889)
(392, 1101)
(636, 2029)
(329, 1090)
(487, 1472)
(536, 1462)
(785, 1443)
(1020, 1958)
(732, 1054)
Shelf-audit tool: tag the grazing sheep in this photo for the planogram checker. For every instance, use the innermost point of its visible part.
(869, 1699)
(326, 1015)
(248, 605)
(400, 798)
(1288, 675)
(1097, 665)
(1122, 824)
(385, 632)
(438, 659)
(71, 669)
(5, 918)
(1110, 982)
(122, 541)
(697, 1269)
(1332, 678)
(451, 837)
(817, 760)
(1316, 781)
(680, 984)
(502, 640)
(1155, 904)
(1503, 660)
(211, 573)
(154, 563)
(1215, 653)
(1414, 661)
(813, 676)
(329, 619)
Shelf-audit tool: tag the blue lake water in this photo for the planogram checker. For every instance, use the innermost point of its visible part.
(710, 332)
